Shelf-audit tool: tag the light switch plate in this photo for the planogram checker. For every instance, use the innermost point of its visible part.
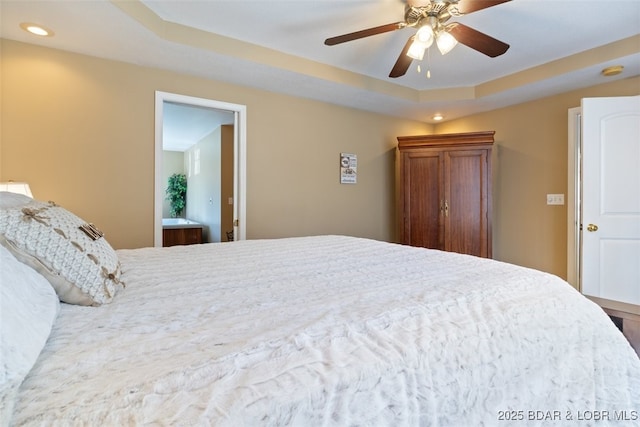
(555, 199)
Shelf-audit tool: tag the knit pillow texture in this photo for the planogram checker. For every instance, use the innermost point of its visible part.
(81, 266)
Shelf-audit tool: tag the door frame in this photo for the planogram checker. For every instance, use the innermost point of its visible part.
(239, 159)
(574, 198)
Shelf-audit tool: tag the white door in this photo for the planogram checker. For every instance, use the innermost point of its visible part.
(611, 198)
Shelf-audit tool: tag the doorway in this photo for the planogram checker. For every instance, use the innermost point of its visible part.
(165, 99)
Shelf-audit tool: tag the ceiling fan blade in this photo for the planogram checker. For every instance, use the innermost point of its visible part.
(403, 62)
(468, 6)
(477, 40)
(364, 33)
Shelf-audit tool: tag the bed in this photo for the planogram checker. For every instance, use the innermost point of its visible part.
(305, 331)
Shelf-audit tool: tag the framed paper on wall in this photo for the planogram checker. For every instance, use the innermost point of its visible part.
(348, 168)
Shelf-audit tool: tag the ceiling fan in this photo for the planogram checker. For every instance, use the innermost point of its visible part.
(431, 18)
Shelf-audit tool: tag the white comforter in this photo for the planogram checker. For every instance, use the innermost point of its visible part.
(330, 330)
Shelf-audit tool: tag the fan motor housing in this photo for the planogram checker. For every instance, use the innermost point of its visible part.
(442, 11)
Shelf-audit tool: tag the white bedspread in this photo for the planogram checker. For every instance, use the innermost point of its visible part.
(331, 331)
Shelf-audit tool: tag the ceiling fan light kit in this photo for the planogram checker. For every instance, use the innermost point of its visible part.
(430, 18)
(424, 39)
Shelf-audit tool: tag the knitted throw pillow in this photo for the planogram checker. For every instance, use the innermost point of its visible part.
(71, 254)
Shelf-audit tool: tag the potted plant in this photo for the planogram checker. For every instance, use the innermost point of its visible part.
(177, 193)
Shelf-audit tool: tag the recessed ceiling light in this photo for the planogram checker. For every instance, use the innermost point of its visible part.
(437, 117)
(612, 71)
(36, 29)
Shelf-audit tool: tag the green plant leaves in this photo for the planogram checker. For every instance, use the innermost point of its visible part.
(177, 193)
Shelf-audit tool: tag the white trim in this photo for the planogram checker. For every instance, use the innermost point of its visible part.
(574, 197)
(240, 159)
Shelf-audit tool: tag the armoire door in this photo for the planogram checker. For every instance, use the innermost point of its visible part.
(466, 195)
(422, 184)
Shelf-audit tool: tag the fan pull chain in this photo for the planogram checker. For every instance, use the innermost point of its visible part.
(419, 67)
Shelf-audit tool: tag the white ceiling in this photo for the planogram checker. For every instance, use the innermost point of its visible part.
(277, 45)
(184, 125)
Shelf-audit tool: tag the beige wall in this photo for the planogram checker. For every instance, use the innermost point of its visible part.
(80, 130)
(530, 160)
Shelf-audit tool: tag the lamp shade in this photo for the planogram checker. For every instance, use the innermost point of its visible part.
(425, 35)
(416, 50)
(16, 187)
(421, 42)
(445, 42)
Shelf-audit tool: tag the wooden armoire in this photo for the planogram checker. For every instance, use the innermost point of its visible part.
(445, 192)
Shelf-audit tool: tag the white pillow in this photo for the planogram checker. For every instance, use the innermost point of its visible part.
(83, 270)
(11, 200)
(28, 308)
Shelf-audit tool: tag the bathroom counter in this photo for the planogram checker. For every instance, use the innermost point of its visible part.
(180, 231)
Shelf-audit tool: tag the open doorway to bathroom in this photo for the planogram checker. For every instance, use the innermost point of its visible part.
(205, 140)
